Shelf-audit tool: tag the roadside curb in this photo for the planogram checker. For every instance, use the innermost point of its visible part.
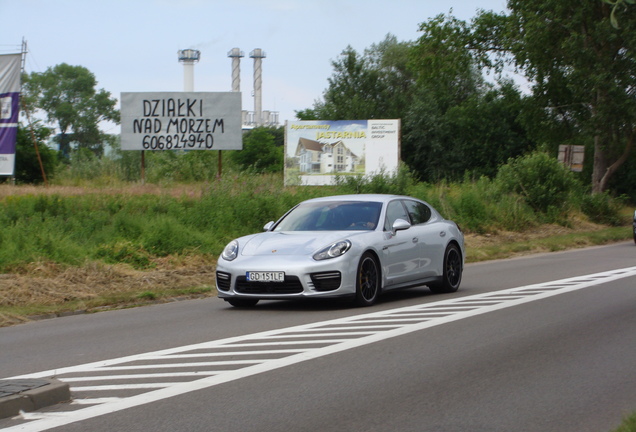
(30, 395)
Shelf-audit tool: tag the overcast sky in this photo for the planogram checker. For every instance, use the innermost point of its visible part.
(131, 45)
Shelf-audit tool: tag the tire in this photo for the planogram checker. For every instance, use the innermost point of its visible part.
(452, 275)
(242, 302)
(367, 281)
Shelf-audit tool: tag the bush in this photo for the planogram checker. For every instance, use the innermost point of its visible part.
(602, 208)
(540, 179)
(382, 183)
(477, 206)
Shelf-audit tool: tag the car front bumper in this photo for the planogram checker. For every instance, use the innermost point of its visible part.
(304, 278)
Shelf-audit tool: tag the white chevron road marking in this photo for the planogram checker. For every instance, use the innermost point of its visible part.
(244, 356)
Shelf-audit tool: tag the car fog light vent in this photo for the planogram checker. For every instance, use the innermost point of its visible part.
(326, 281)
(223, 281)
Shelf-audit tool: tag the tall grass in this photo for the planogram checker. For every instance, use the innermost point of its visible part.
(111, 224)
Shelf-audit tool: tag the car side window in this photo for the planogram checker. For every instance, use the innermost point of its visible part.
(420, 213)
(395, 210)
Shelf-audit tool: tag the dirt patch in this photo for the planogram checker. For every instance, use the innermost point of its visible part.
(52, 287)
(541, 232)
(191, 191)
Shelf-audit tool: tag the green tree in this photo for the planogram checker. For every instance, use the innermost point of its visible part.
(375, 84)
(68, 96)
(262, 151)
(27, 165)
(442, 63)
(453, 121)
(458, 122)
(582, 69)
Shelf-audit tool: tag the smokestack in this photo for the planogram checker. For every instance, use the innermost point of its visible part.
(188, 57)
(236, 54)
(258, 55)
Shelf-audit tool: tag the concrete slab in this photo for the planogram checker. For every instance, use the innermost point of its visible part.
(30, 395)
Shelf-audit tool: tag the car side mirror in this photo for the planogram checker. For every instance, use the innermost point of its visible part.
(268, 226)
(400, 225)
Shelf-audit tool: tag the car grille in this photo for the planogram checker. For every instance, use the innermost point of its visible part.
(291, 285)
(223, 281)
(327, 281)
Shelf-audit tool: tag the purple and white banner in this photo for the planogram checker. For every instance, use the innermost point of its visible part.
(9, 110)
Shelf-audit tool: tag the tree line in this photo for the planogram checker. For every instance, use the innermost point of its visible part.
(471, 95)
(464, 114)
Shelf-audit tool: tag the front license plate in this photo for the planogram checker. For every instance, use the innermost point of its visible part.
(267, 276)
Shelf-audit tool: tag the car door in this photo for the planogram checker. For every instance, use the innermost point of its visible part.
(400, 250)
(431, 238)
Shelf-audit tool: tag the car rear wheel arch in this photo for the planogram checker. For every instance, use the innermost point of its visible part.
(453, 267)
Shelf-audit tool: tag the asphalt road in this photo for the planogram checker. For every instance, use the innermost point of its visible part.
(565, 362)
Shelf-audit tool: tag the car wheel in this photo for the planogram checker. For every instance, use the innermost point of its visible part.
(242, 302)
(452, 275)
(367, 281)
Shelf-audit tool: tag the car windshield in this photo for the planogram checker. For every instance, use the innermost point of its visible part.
(332, 216)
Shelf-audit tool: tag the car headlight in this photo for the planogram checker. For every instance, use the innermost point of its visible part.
(231, 251)
(335, 250)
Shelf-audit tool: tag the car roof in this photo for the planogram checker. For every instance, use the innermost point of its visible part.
(360, 197)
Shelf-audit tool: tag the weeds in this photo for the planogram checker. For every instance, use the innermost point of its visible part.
(68, 247)
(119, 226)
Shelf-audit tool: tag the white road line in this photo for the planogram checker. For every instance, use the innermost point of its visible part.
(183, 365)
(139, 376)
(352, 327)
(454, 309)
(223, 354)
(122, 387)
(94, 401)
(299, 335)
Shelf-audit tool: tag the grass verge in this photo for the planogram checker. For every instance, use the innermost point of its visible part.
(548, 238)
(44, 290)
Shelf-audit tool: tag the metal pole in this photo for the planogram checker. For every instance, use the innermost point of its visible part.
(143, 167)
(220, 166)
(28, 115)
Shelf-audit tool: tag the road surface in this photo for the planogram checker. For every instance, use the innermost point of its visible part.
(541, 343)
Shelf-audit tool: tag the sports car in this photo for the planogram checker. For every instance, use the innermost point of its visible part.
(348, 246)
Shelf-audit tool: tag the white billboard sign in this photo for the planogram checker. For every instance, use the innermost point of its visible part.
(181, 121)
(317, 151)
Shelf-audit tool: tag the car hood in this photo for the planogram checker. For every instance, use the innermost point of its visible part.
(292, 243)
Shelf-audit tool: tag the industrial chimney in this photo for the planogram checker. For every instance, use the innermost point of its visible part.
(258, 55)
(188, 57)
(236, 54)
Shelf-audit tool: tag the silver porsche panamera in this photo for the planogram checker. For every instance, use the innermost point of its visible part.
(348, 246)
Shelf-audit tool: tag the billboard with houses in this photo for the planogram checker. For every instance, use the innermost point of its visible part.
(317, 151)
